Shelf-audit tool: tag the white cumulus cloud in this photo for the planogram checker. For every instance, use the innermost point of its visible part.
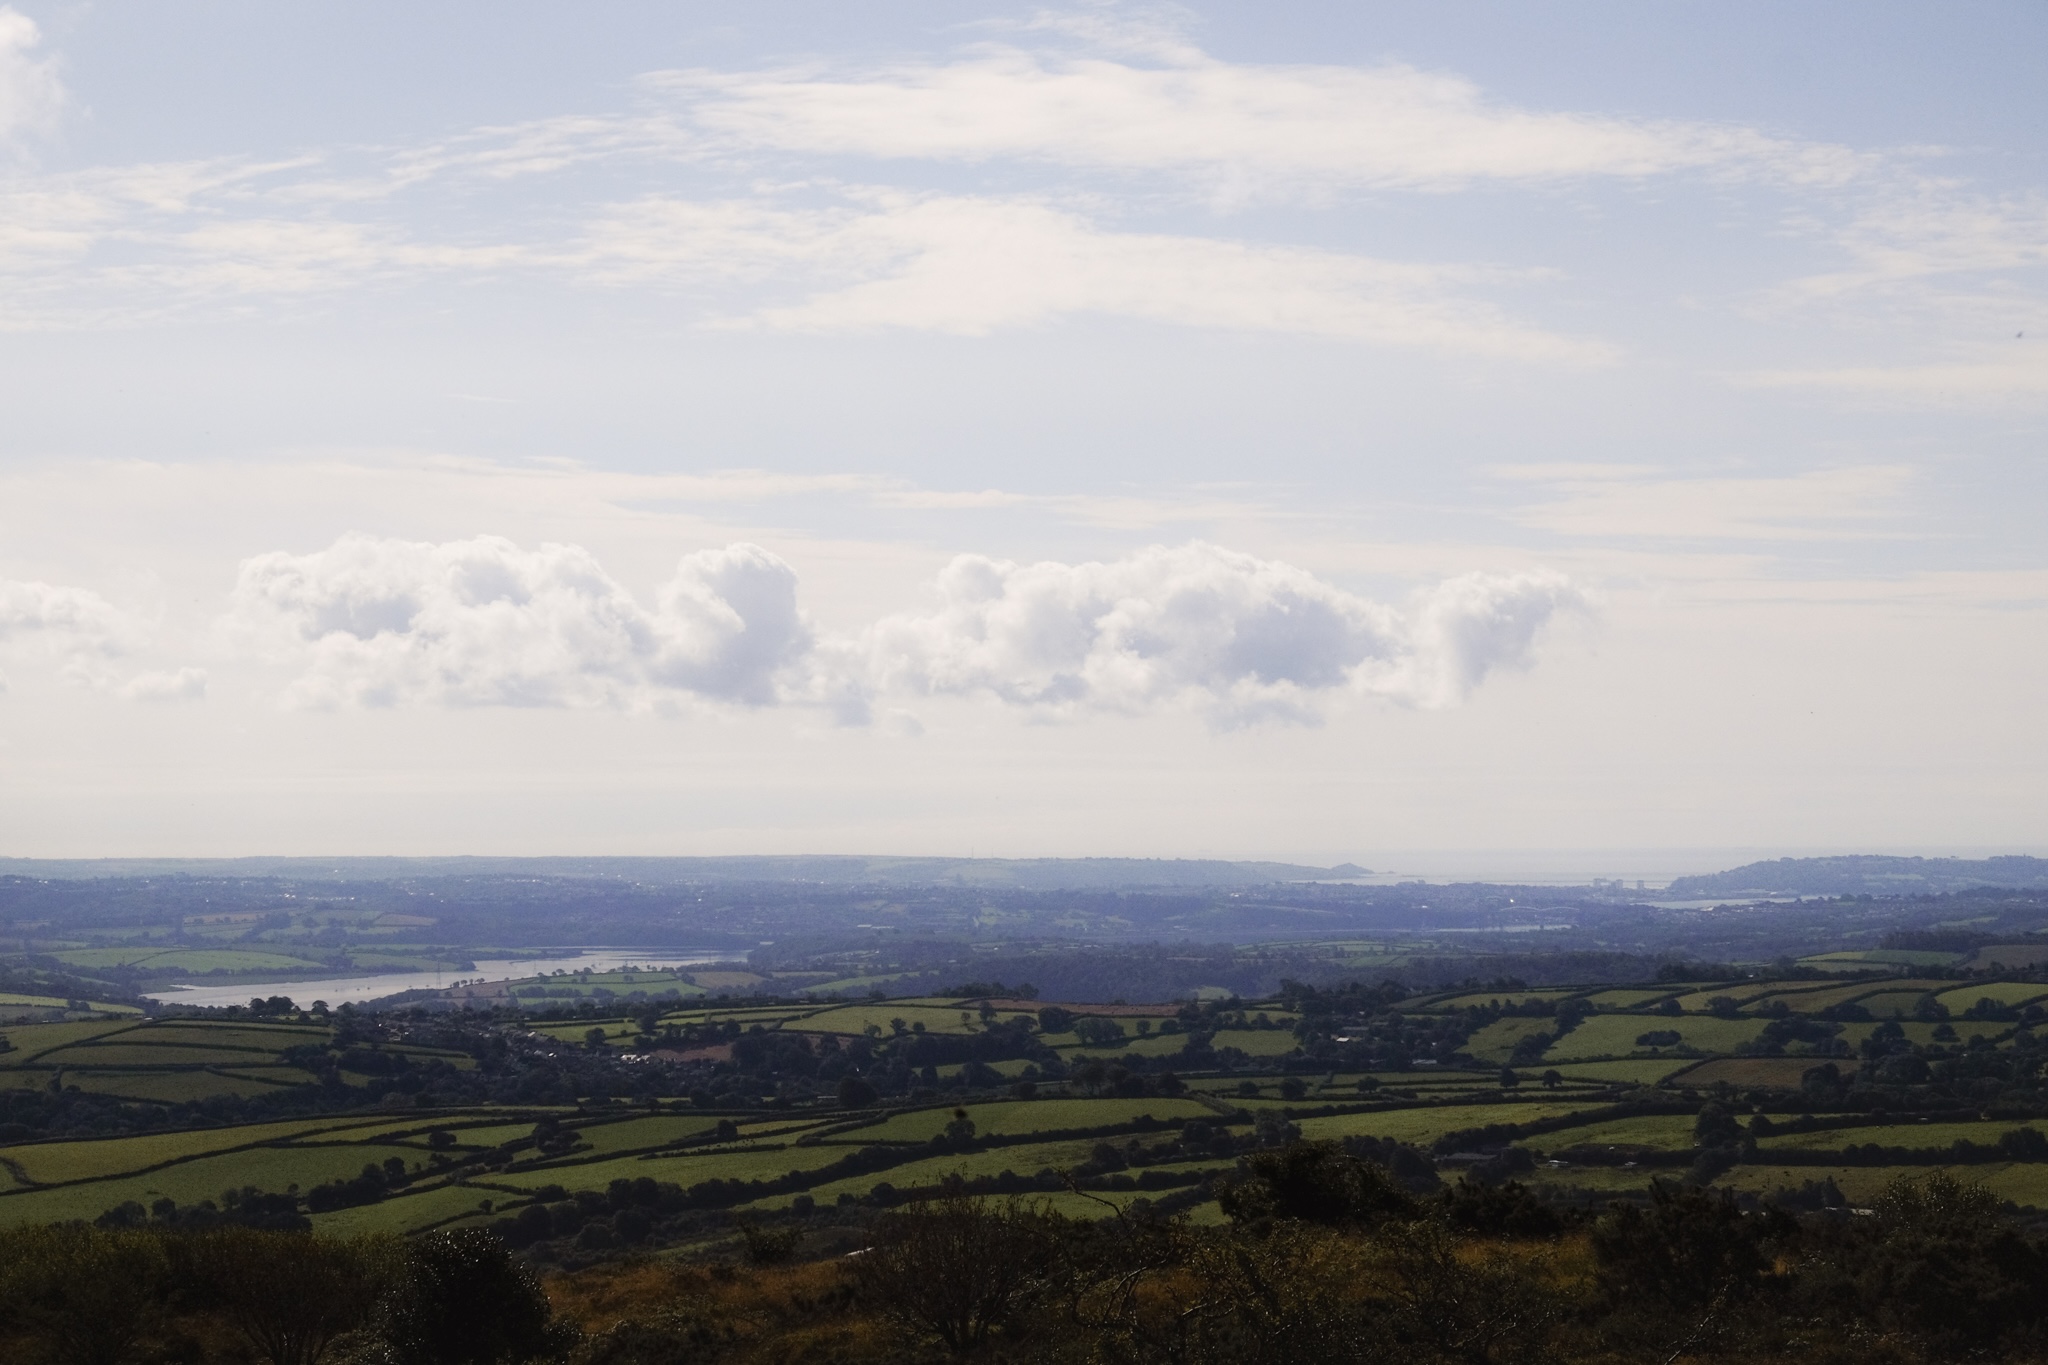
(183, 684)
(31, 95)
(86, 636)
(1242, 637)
(484, 622)
(79, 628)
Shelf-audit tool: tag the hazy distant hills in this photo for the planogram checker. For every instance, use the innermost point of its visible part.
(1863, 875)
(1021, 874)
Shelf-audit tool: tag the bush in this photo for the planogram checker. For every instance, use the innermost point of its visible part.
(88, 1296)
(1314, 1182)
(1505, 1210)
(956, 1268)
(288, 1294)
(460, 1299)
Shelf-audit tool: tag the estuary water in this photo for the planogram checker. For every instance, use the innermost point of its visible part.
(357, 989)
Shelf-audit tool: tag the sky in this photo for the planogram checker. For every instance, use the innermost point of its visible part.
(1599, 434)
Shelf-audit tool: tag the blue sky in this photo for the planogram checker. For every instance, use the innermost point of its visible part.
(1322, 431)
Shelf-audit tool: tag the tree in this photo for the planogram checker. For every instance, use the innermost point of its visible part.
(90, 1295)
(288, 1293)
(1314, 1182)
(1716, 1127)
(855, 1092)
(1691, 1249)
(461, 1299)
(956, 1268)
(1097, 1031)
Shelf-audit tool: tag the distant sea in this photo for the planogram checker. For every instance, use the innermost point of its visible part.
(358, 989)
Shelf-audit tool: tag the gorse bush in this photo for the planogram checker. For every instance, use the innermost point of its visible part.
(77, 1295)
(1326, 1259)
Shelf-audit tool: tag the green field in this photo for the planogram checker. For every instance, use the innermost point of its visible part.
(1614, 1035)
(1027, 1116)
(1699, 1001)
(1496, 1042)
(1425, 1125)
(195, 960)
(1626, 999)
(1985, 1133)
(415, 1211)
(1482, 999)
(50, 1162)
(2004, 992)
(1669, 1131)
(493, 1159)
(1892, 1004)
(189, 1182)
(724, 1163)
(31, 1041)
(1647, 1071)
(1880, 957)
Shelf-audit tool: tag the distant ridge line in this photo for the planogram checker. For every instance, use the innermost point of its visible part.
(1041, 874)
(1865, 875)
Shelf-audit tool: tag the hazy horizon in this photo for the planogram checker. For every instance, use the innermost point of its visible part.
(1574, 437)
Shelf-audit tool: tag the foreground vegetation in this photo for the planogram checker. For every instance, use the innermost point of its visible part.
(1324, 1257)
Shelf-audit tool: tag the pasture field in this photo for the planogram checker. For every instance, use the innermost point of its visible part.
(495, 1160)
(766, 1162)
(1614, 1035)
(1026, 1116)
(31, 1041)
(415, 1211)
(1026, 1160)
(261, 1037)
(1811, 1002)
(1481, 999)
(2004, 992)
(1426, 1124)
(1626, 999)
(1645, 1071)
(195, 960)
(1985, 1133)
(1856, 959)
(858, 1019)
(1746, 1073)
(189, 1182)
(1255, 1042)
(2008, 956)
(121, 1053)
(49, 1163)
(54, 1002)
(1151, 1045)
(1496, 1042)
(1598, 1184)
(186, 1086)
(176, 1060)
(634, 1135)
(1665, 1131)
(1892, 1004)
(1700, 1001)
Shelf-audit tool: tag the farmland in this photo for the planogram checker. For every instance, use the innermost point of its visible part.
(574, 1132)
